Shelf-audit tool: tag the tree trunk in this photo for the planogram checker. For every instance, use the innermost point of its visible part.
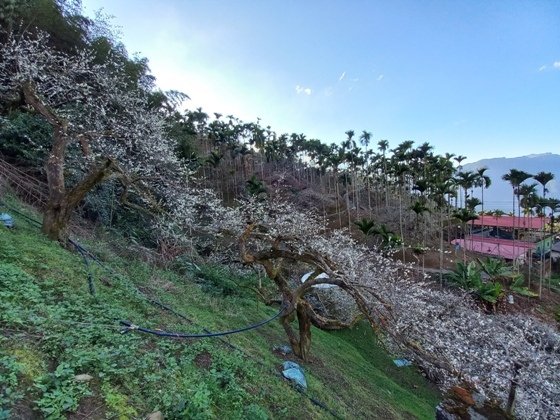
(300, 342)
(441, 247)
(401, 226)
(55, 220)
(304, 323)
(61, 202)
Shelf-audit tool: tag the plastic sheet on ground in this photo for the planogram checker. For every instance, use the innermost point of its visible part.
(402, 362)
(294, 373)
(6, 220)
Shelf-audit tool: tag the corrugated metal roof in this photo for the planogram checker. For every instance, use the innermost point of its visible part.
(536, 223)
(504, 248)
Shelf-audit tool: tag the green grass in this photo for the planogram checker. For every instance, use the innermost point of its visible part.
(53, 329)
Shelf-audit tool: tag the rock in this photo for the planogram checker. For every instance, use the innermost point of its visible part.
(461, 394)
(84, 377)
(156, 415)
(479, 399)
(443, 414)
(331, 301)
(293, 372)
(474, 415)
(284, 349)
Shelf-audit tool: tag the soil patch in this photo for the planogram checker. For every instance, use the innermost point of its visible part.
(203, 360)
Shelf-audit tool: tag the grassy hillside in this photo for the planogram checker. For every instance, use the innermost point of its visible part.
(53, 329)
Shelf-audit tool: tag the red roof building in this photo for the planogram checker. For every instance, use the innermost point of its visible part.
(532, 223)
(495, 240)
(504, 248)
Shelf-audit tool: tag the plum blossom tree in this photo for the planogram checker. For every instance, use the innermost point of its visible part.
(276, 236)
(512, 360)
(90, 106)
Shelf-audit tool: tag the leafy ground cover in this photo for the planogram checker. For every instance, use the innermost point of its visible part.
(63, 353)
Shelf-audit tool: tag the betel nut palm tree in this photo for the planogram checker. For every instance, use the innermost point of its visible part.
(465, 216)
(465, 180)
(544, 178)
(483, 181)
(382, 146)
(515, 177)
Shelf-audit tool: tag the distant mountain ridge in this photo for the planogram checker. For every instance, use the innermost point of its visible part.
(499, 194)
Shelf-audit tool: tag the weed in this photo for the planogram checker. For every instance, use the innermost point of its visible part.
(44, 294)
(117, 403)
(10, 371)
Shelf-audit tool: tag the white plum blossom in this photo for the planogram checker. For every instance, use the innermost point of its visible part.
(97, 103)
(96, 107)
(443, 330)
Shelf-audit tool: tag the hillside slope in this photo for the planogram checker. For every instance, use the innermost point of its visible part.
(54, 332)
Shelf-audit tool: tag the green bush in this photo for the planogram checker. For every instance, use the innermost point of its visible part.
(25, 137)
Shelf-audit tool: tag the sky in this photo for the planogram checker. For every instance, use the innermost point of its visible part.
(474, 78)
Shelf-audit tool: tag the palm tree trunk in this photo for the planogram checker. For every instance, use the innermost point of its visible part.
(441, 248)
(513, 228)
(401, 226)
(482, 203)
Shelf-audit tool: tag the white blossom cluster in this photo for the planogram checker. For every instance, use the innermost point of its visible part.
(98, 103)
(445, 332)
(483, 349)
(193, 214)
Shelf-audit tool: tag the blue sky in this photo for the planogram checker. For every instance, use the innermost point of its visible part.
(476, 78)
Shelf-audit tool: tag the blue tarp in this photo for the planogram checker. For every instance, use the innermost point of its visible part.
(294, 373)
(6, 220)
(402, 362)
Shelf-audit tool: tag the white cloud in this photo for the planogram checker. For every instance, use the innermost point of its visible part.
(380, 77)
(342, 76)
(555, 65)
(305, 90)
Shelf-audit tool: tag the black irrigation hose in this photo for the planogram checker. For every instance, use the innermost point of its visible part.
(165, 307)
(132, 327)
(318, 403)
(91, 285)
(85, 253)
(129, 326)
(174, 312)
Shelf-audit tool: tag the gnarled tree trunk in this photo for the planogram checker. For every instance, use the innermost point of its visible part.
(62, 202)
(293, 298)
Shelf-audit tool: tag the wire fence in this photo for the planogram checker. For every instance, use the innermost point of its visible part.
(27, 187)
